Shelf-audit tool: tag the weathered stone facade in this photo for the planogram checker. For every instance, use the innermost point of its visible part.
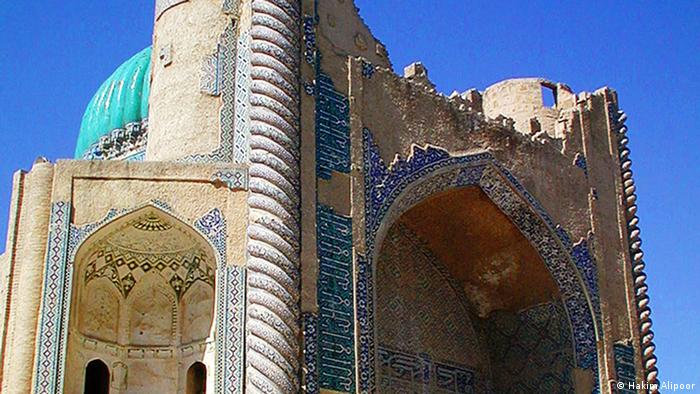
(302, 219)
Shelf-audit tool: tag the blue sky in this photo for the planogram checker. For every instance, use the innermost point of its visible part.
(55, 54)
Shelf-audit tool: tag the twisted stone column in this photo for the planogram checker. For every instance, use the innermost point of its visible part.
(635, 245)
(273, 235)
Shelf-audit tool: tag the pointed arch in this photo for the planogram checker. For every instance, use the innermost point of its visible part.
(392, 190)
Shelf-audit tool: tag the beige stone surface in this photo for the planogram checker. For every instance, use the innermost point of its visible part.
(182, 120)
(28, 278)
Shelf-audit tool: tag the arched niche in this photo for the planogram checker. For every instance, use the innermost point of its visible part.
(560, 298)
(466, 299)
(142, 298)
(97, 378)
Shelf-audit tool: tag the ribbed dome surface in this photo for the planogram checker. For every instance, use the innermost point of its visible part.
(122, 99)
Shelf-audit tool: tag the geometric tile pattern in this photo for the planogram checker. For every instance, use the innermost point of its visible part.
(213, 227)
(230, 6)
(230, 310)
(586, 264)
(309, 39)
(429, 170)
(124, 269)
(210, 82)
(52, 329)
(367, 69)
(421, 310)
(332, 128)
(310, 322)
(242, 99)
(624, 367)
(531, 351)
(336, 321)
(415, 289)
(365, 321)
(234, 178)
(219, 78)
(405, 372)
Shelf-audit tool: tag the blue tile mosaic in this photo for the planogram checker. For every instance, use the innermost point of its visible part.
(310, 321)
(580, 162)
(417, 373)
(53, 327)
(367, 69)
(365, 320)
(624, 367)
(336, 326)
(332, 129)
(384, 185)
(309, 39)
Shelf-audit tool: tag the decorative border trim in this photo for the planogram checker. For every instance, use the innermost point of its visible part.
(51, 343)
(641, 289)
(336, 316)
(223, 74)
(365, 321)
(233, 178)
(310, 353)
(128, 143)
(229, 327)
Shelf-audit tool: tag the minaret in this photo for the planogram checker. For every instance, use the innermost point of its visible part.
(225, 90)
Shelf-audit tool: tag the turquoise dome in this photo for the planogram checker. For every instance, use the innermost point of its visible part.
(122, 99)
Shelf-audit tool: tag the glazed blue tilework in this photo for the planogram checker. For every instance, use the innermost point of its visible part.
(417, 373)
(336, 326)
(624, 366)
(580, 162)
(233, 178)
(531, 351)
(332, 128)
(310, 321)
(213, 226)
(384, 185)
(367, 69)
(230, 288)
(51, 346)
(365, 320)
(586, 264)
(230, 6)
(229, 77)
(309, 39)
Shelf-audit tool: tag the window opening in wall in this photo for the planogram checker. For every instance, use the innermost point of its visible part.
(96, 378)
(549, 95)
(197, 379)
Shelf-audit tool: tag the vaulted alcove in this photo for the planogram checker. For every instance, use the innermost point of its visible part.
(143, 303)
(466, 304)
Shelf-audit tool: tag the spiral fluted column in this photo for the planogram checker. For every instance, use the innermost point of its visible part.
(273, 234)
(635, 244)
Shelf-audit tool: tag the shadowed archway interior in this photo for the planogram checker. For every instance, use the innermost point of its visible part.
(465, 303)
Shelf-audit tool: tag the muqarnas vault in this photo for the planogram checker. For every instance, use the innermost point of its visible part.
(258, 203)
